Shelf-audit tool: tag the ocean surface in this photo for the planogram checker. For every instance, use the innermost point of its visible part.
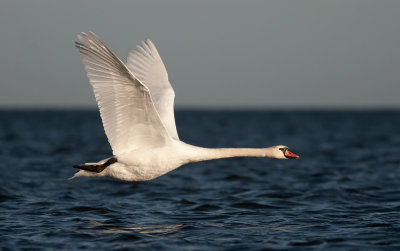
(343, 194)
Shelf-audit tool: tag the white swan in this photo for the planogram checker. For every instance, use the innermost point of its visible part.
(136, 106)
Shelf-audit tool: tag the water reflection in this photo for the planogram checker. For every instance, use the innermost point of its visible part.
(150, 230)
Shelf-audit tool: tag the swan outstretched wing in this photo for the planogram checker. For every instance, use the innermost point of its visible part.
(129, 117)
(146, 64)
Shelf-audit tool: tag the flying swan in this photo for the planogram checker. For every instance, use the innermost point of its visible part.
(136, 106)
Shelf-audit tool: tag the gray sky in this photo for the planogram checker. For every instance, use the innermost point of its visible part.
(226, 53)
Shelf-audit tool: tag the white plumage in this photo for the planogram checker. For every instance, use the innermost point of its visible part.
(147, 66)
(136, 106)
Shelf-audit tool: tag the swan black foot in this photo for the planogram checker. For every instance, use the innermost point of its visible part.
(97, 168)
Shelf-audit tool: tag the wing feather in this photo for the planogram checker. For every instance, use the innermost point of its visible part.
(129, 116)
(146, 64)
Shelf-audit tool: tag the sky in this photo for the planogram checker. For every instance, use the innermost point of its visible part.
(219, 54)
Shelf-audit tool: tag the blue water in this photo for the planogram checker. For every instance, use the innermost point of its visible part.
(343, 194)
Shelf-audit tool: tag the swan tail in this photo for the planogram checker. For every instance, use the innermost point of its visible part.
(84, 173)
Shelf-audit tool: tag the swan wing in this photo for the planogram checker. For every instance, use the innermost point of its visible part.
(129, 117)
(146, 64)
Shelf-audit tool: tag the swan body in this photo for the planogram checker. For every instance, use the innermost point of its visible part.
(136, 106)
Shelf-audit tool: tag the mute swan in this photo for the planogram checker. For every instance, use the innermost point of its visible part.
(136, 106)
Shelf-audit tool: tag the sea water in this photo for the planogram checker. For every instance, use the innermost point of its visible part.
(343, 194)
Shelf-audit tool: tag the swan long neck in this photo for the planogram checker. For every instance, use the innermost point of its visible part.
(198, 154)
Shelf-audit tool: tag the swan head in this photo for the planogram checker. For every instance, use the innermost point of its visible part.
(283, 152)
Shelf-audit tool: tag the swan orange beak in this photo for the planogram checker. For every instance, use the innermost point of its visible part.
(290, 155)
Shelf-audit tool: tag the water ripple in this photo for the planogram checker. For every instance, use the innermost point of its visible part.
(343, 194)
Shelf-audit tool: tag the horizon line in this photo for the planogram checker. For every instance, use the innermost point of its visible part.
(215, 108)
